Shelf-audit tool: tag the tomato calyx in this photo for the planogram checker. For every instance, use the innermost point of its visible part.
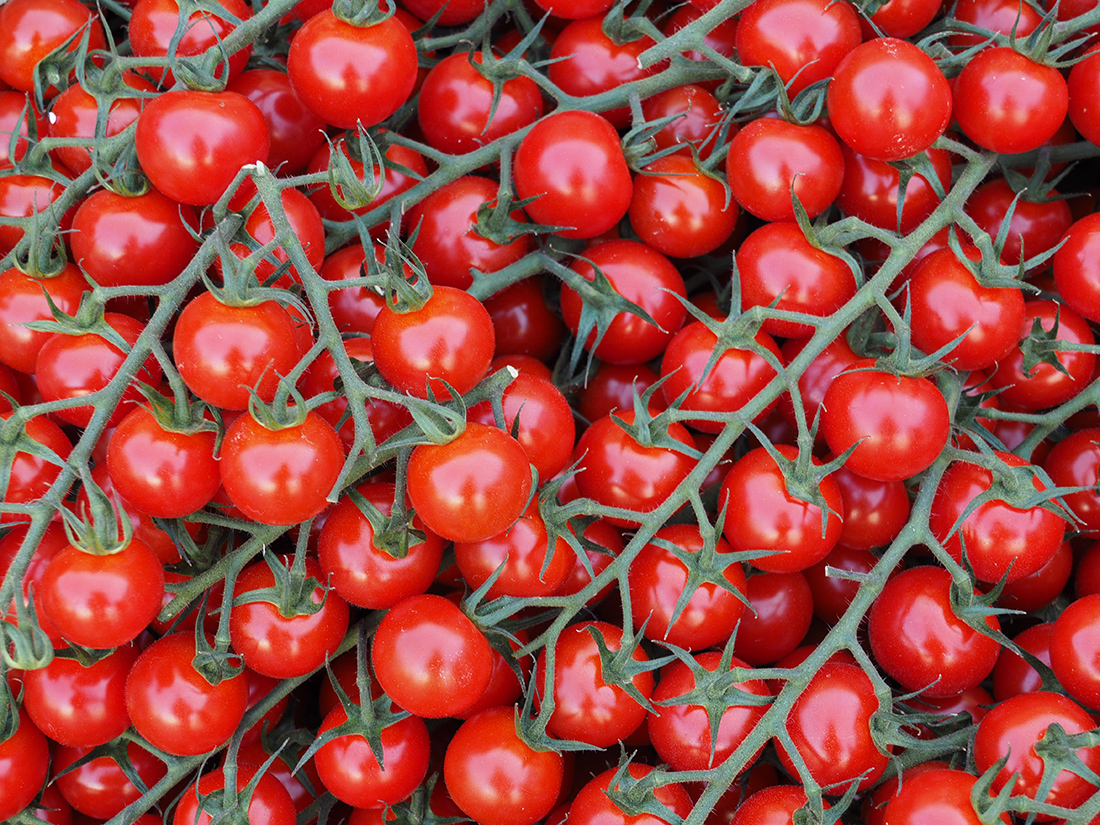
(650, 428)
(636, 795)
(1042, 346)
(363, 13)
(214, 662)
(104, 529)
(293, 590)
(619, 667)
(345, 185)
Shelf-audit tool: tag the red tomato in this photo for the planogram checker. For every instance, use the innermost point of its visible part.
(831, 593)
(936, 793)
(1036, 226)
(296, 133)
(17, 112)
(1075, 462)
(593, 806)
(347, 75)
(1083, 101)
(268, 801)
(404, 167)
(99, 788)
(1074, 653)
(1013, 674)
(304, 221)
(572, 162)
(31, 29)
(697, 116)
(874, 511)
(74, 115)
(888, 100)
(523, 322)
(31, 475)
(353, 308)
(870, 191)
(153, 27)
(281, 476)
(1076, 267)
(495, 777)
(24, 761)
(22, 300)
(471, 488)
(26, 196)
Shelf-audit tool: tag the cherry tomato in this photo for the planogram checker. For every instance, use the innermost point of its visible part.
(99, 788)
(153, 28)
(593, 806)
(268, 802)
(31, 29)
(24, 761)
(74, 115)
(296, 133)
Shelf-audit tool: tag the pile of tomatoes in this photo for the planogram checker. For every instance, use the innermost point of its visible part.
(512, 412)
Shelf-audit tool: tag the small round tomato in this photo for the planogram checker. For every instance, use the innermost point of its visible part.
(283, 475)
(99, 788)
(153, 33)
(471, 488)
(349, 75)
(404, 168)
(1075, 462)
(1013, 674)
(697, 116)
(874, 511)
(268, 801)
(192, 144)
(832, 594)
(1076, 267)
(74, 114)
(573, 164)
(24, 763)
(430, 658)
(641, 275)
(871, 187)
(1036, 226)
(27, 196)
(495, 777)
(586, 707)
(888, 100)
(23, 300)
(899, 423)
(31, 475)
(304, 221)
(934, 794)
(31, 29)
(173, 706)
(948, 656)
(1074, 652)
(593, 806)
(17, 112)
(296, 133)
(523, 322)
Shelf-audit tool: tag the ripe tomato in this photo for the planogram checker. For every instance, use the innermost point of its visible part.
(870, 191)
(888, 100)
(296, 133)
(304, 221)
(901, 423)
(593, 806)
(347, 75)
(24, 762)
(74, 114)
(31, 475)
(25, 196)
(14, 121)
(99, 788)
(1074, 653)
(281, 476)
(280, 646)
(153, 27)
(404, 167)
(269, 802)
(495, 777)
(22, 300)
(1075, 267)
(697, 116)
(572, 162)
(586, 707)
(471, 488)
(1036, 226)
(1075, 462)
(936, 793)
(523, 322)
(31, 29)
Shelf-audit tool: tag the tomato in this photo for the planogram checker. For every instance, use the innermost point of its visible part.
(74, 115)
(572, 162)
(574, 9)
(678, 210)
(1075, 267)
(870, 191)
(769, 157)
(763, 515)
(721, 37)
(25, 196)
(1045, 385)
(173, 706)
(280, 646)
(1074, 654)
(803, 40)
(948, 304)
(947, 656)
(645, 277)
(613, 386)
(80, 706)
(586, 707)
(903, 18)
(455, 102)
(17, 112)
(268, 801)
(22, 300)
(528, 567)
(365, 574)
(617, 471)
(53, 541)
(495, 777)
(471, 488)
(831, 593)
(874, 511)
(773, 805)
(829, 725)
(1083, 96)
(901, 423)
(163, 473)
(221, 351)
(296, 133)
(888, 100)
(782, 610)
(1000, 540)
(31, 29)
(1013, 675)
(1042, 587)
(1008, 103)
(450, 14)
(593, 806)
(450, 338)
(1075, 462)
(99, 788)
(404, 167)
(936, 793)
(1036, 226)
(24, 760)
(586, 61)
(153, 33)
(523, 323)
(283, 475)
(32, 474)
(1014, 728)
(348, 75)
(602, 544)
(192, 144)
(815, 378)
(349, 769)
(698, 115)
(447, 241)
(353, 309)
(304, 221)
(681, 732)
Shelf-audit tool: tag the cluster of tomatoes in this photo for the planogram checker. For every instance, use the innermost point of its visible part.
(631, 413)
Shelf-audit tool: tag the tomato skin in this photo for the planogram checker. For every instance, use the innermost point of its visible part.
(592, 805)
(763, 515)
(347, 75)
(947, 651)
(773, 805)
(74, 113)
(296, 133)
(447, 242)
(1013, 675)
(874, 511)
(681, 732)
(1000, 540)
(523, 323)
(80, 706)
(103, 601)
(1074, 654)
(948, 303)
(455, 101)
(354, 309)
(270, 802)
(832, 594)
(1014, 727)
(12, 119)
(219, 348)
(305, 223)
(281, 476)
(472, 488)
(870, 191)
(698, 110)
(804, 40)
(450, 338)
(430, 658)
(1083, 97)
(888, 100)
(617, 471)
(24, 760)
(769, 156)
(573, 162)
(936, 793)
(1045, 385)
(22, 300)
(22, 196)
(31, 29)
(903, 421)
(99, 789)
(153, 25)
(643, 276)
(192, 144)
(1076, 267)
(1035, 227)
(174, 707)
(494, 777)
(586, 708)
(31, 476)
(1075, 462)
